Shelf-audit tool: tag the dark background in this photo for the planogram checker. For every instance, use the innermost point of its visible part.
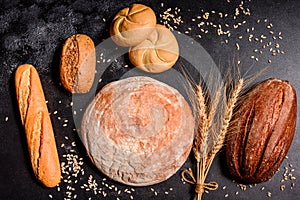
(34, 31)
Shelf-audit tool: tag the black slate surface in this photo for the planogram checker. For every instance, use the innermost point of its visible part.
(34, 31)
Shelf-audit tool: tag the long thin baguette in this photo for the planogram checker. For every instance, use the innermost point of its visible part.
(38, 128)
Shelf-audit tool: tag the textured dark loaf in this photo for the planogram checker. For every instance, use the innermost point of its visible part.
(263, 127)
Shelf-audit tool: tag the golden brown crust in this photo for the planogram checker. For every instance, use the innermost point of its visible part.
(78, 64)
(158, 53)
(38, 128)
(132, 25)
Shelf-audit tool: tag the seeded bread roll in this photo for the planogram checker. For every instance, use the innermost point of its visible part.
(158, 53)
(78, 64)
(38, 128)
(132, 25)
(138, 131)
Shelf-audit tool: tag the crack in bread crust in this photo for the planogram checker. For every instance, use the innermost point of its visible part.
(36, 136)
(24, 93)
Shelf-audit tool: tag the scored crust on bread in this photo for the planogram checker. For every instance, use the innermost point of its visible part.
(132, 25)
(158, 53)
(264, 127)
(38, 128)
(138, 131)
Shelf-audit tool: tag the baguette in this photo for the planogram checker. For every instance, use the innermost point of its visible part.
(38, 128)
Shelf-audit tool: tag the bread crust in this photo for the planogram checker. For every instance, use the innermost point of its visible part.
(138, 131)
(264, 126)
(158, 53)
(132, 25)
(37, 124)
(78, 64)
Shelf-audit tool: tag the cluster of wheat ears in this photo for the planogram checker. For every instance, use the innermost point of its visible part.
(213, 114)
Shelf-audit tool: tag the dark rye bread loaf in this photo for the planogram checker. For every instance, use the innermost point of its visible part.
(264, 127)
(138, 131)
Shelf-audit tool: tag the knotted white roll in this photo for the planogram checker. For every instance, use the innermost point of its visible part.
(132, 25)
(158, 53)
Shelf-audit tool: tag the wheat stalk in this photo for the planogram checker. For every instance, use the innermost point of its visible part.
(231, 103)
(202, 129)
(227, 116)
(213, 106)
(205, 126)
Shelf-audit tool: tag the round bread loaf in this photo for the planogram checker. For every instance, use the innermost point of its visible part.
(132, 25)
(158, 53)
(138, 131)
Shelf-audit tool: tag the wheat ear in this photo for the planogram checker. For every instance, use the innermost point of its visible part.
(226, 120)
(213, 107)
(201, 132)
